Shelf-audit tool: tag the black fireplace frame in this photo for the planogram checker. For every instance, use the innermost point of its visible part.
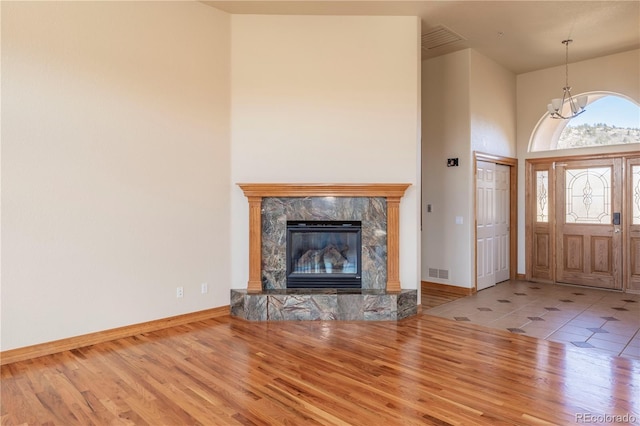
(324, 280)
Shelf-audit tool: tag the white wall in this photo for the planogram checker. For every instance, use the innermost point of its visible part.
(326, 99)
(446, 130)
(115, 165)
(619, 73)
(469, 105)
(492, 98)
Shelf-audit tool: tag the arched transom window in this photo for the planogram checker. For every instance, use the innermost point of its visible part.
(609, 119)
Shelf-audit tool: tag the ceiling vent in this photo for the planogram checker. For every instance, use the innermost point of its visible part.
(438, 37)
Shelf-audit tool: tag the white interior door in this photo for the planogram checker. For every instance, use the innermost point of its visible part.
(485, 212)
(492, 223)
(502, 225)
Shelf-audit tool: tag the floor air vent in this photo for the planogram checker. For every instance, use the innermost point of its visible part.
(433, 273)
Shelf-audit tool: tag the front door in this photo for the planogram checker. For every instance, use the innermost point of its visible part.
(588, 217)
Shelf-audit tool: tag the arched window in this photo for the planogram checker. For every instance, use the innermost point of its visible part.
(609, 119)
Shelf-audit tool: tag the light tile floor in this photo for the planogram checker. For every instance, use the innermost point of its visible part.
(590, 319)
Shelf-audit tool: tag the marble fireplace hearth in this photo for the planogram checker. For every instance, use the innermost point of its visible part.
(323, 304)
(271, 205)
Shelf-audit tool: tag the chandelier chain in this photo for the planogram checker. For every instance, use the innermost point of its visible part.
(566, 62)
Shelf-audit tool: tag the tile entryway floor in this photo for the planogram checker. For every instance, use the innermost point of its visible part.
(590, 319)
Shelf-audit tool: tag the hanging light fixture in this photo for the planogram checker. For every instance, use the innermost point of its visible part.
(576, 105)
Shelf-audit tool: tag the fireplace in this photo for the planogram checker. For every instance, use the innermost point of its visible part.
(277, 209)
(324, 254)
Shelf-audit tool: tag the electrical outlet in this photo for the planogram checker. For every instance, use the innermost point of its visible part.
(179, 292)
(204, 288)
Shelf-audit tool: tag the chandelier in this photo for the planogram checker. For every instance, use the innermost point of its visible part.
(576, 104)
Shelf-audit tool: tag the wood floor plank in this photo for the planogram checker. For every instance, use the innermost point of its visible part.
(431, 298)
(225, 371)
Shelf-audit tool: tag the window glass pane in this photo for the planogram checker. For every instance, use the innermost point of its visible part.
(542, 192)
(611, 120)
(588, 195)
(635, 199)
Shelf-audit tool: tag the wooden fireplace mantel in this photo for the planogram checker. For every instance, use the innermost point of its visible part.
(255, 192)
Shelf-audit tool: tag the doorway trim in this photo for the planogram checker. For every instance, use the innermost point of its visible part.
(513, 211)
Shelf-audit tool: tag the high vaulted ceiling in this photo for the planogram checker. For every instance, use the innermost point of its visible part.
(523, 36)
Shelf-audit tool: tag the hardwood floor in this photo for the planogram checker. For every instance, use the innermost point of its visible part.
(430, 298)
(224, 371)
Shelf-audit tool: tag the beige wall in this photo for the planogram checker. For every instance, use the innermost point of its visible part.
(122, 143)
(619, 73)
(118, 175)
(326, 99)
(115, 165)
(468, 105)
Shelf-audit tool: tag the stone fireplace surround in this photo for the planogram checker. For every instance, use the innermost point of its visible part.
(271, 205)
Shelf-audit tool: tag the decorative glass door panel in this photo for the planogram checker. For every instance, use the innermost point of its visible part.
(542, 194)
(635, 193)
(588, 195)
(633, 226)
